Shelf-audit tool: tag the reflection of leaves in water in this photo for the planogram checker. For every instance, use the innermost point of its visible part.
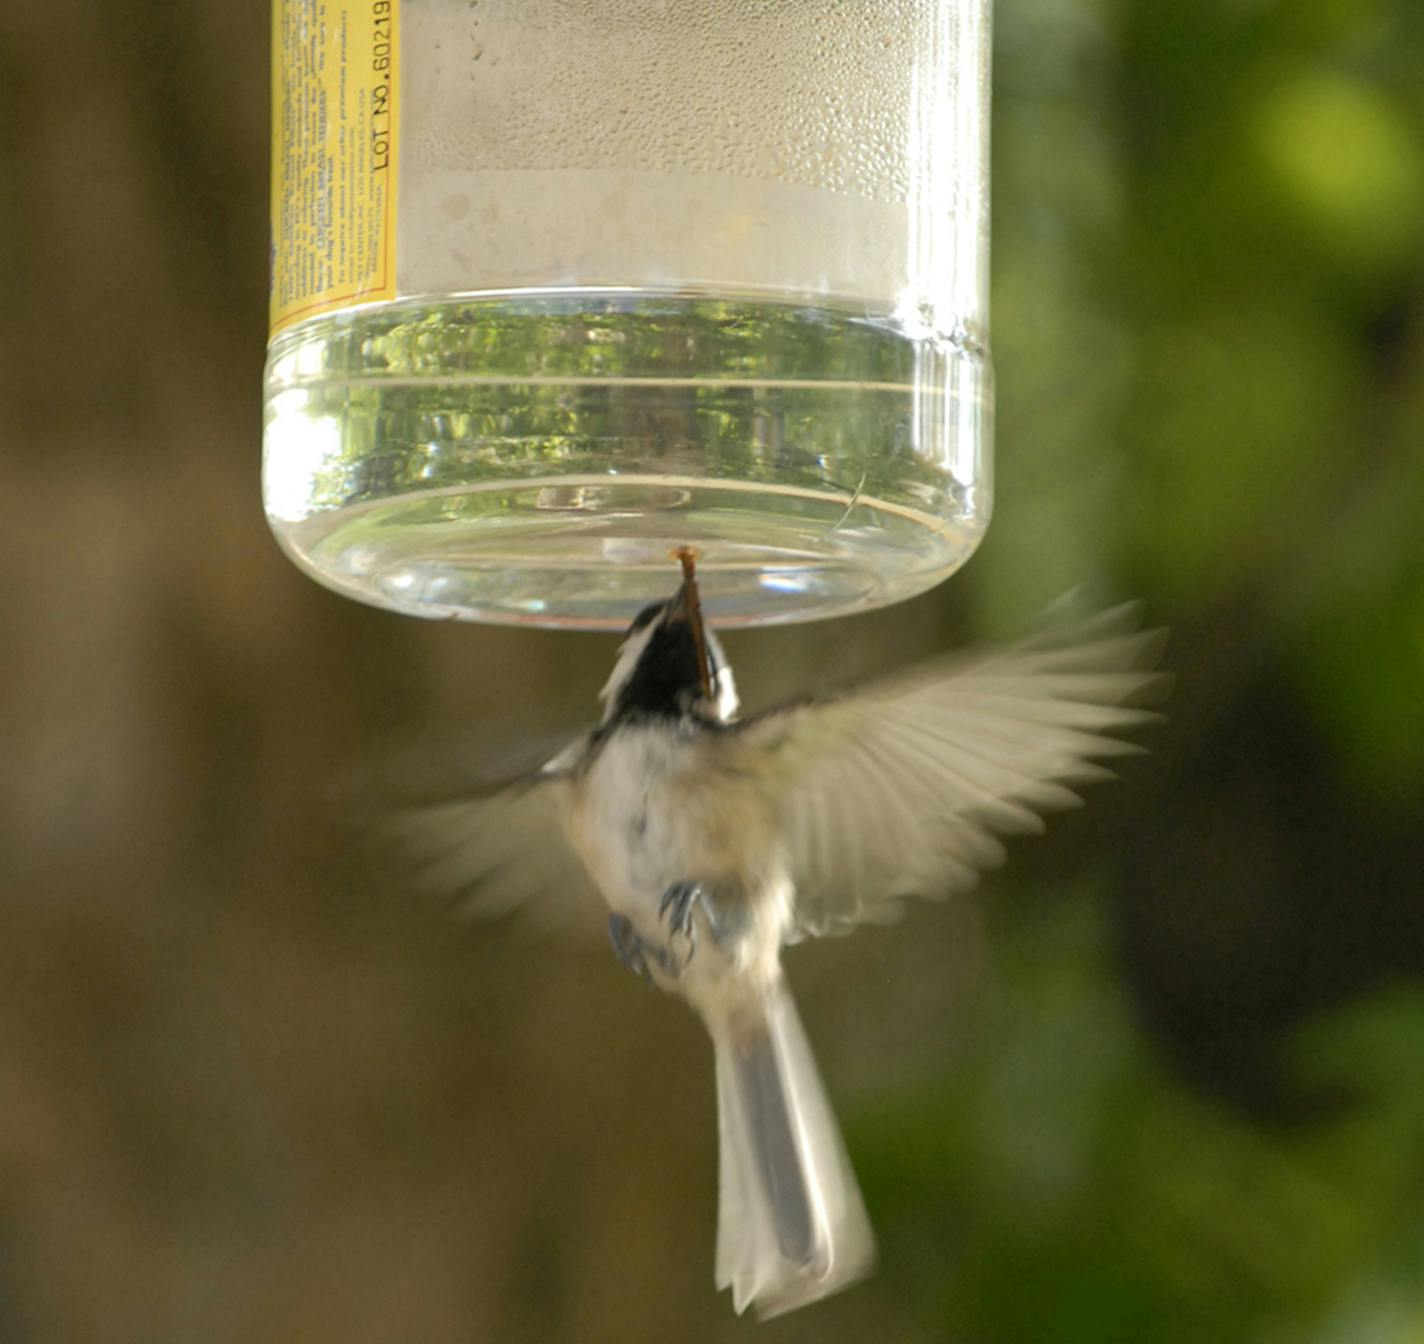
(419, 390)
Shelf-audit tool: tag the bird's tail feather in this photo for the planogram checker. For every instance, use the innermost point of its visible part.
(791, 1227)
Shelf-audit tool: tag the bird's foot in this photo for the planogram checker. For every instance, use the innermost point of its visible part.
(635, 952)
(679, 907)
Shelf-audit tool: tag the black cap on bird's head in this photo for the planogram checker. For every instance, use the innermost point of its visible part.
(671, 665)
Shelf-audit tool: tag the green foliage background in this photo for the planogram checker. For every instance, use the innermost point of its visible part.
(1208, 338)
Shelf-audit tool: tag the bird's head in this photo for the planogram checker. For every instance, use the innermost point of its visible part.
(671, 666)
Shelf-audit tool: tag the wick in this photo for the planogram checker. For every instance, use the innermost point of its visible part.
(687, 557)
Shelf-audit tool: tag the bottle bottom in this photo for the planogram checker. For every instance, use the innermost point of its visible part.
(534, 459)
(589, 552)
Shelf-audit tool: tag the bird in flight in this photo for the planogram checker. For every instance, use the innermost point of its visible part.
(707, 842)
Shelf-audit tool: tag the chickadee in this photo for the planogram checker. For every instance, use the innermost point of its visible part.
(712, 841)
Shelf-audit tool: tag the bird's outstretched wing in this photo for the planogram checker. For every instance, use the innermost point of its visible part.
(904, 787)
(500, 849)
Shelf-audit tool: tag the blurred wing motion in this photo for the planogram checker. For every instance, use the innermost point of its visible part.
(903, 787)
(504, 849)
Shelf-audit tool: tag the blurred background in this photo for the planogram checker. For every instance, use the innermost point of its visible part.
(1163, 1080)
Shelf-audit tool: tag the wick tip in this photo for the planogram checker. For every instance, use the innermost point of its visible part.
(687, 558)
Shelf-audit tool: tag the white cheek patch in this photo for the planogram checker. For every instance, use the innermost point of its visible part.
(628, 654)
(725, 702)
(724, 687)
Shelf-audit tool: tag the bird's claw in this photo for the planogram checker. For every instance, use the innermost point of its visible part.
(634, 952)
(631, 949)
(724, 915)
(679, 907)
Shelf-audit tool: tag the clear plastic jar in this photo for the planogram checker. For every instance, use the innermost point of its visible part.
(637, 274)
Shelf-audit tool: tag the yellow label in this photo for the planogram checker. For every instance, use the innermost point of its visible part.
(335, 137)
